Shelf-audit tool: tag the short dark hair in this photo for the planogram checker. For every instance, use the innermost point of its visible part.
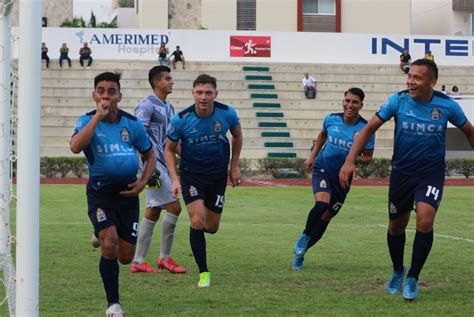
(108, 76)
(205, 79)
(429, 64)
(156, 72)
(356, 91)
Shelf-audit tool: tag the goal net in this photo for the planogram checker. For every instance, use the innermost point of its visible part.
(7, 157)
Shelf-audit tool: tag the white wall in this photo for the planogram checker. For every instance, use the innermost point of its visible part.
(219, 15)
(376, 16)
(152, 14)
(309, 47)
(438, 17)
(276, 15)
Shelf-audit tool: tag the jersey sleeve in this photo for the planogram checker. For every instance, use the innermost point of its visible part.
(326, 123)
(142, 141)
(81, 122)
(457, 116)
(233, 119)
(174, 129)
(388, 109)
(144, 111)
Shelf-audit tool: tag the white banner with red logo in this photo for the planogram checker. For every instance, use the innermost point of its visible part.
(248, 46)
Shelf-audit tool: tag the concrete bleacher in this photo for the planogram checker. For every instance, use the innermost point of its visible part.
(276, 118)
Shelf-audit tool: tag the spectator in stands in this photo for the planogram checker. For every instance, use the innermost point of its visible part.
(405, 60)
(85, 54)
(429, 56)
(455, 91)
(64, 55)
(309, 83)
(44, 54)
(443, 89)
(177, 56)
(163, 52)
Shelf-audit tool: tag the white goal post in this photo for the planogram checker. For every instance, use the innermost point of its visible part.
(22, 286)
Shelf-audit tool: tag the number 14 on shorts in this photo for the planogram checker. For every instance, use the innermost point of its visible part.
(431, 190)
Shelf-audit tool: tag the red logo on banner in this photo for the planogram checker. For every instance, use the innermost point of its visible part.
(250, 46)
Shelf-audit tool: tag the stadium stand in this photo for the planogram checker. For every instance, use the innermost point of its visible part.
(277, 120)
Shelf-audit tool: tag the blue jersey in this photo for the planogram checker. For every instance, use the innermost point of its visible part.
(340, 137)
(420, 130)
(112, 153)
(204, 145)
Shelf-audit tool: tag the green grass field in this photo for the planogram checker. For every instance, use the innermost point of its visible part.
(250, 260)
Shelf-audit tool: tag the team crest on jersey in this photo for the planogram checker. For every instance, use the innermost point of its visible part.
(392, 209)
(322, 184)
(435, 115)
(217, 126)
(100, 215)
(355, 135)
(193, 191)
(124, 135)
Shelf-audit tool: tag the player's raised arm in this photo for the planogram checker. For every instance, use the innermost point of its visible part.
(349, 167)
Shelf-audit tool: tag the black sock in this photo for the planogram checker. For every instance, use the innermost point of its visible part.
(421, 249)
(317, 232)
(109, 271)
(198, 246)
(396, 247)
(314, 215)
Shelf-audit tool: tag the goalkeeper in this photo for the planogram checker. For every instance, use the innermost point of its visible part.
(155, 113)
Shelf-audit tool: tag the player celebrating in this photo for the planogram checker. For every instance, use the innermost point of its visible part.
(327, 156)
(201, 128)
(418, 167)
(155, 113)
(110, 138)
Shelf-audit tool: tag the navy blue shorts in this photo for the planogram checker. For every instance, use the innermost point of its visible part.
(211, 189)
(113, 209)
(323, 183)
(406, 190)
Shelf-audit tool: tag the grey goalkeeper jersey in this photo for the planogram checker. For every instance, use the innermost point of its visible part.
(156, 115)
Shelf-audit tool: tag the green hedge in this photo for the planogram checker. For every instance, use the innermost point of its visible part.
(378, 168)
(278, 166)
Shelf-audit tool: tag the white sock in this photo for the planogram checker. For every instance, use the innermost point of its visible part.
(167, 234)
(145, 232)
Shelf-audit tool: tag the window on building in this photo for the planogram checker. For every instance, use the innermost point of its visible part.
(319, 7)
(246, 15)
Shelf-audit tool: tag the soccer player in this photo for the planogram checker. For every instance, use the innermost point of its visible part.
(109, 138)
(155, 113)
(327, 156)
(205, 150)
(421, 115)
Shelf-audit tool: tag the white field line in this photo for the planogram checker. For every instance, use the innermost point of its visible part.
(438, 235)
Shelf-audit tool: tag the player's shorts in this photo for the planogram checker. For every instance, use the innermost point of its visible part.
(406, 190)
(323, 183)
(211, 189)
(158, 197)
(112, 209)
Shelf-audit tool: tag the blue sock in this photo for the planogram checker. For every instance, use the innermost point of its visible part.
(198, 246)
(109, 271)
(421, 249)
(314, 215)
